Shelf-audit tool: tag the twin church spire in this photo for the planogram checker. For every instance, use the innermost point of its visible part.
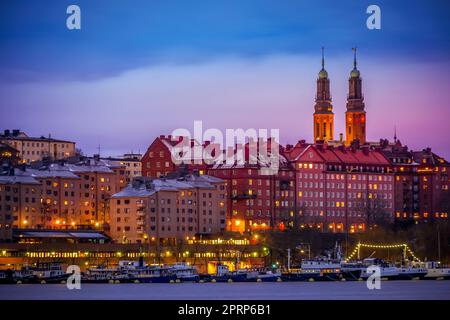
(323, 108)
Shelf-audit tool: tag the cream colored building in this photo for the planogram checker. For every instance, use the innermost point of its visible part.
(58, 195)
(36, 148)
(131, 163)
(168, 209)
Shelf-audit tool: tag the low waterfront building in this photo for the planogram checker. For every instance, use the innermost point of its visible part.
(37, 148)
(59, 237)
(168, 209)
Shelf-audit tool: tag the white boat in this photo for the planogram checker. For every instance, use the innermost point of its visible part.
(328, 269)
(49, 272)
(104, 275)
(387, 271)
(184, 272)
(410, 272)
(436, 271)
(138, 271)
(268, 275)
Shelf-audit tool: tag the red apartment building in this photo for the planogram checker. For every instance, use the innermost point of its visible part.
(157, 161)
(342, 189)
(421, 182)
(257, 200)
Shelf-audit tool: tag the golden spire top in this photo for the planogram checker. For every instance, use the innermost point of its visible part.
(355, 72)
(323, 73)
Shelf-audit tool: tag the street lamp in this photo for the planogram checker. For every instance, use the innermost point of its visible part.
(300, 247)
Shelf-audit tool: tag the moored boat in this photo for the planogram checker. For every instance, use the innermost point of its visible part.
(223, 274)
(435, 271)
(48, 272)
(184, 272)
(328, 269)
(297, 274)
(387, 271)
(411, 272)
(352, 270)
(104, 275)
(139, 272)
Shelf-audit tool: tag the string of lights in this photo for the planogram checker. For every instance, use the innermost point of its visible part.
(381, 246)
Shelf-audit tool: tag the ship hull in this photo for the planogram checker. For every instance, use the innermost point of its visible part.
(300, 276)
(233, 277)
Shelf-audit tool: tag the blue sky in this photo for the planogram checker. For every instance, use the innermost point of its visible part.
(191, 48)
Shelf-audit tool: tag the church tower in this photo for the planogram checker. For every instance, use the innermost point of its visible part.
(355, 116)
(323, 109)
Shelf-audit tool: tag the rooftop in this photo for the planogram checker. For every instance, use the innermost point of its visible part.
(143, 186)
(20, 135)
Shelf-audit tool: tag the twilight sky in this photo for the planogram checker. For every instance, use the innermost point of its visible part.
(138, 69)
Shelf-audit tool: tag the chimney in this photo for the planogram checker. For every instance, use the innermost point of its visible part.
(365, 150)
(355, 144)
(16, 132)
(96, 157)
(162, 136)
(341, 137)
(7, 132)
(169, 137)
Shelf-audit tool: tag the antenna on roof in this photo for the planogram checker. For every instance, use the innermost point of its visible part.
(395, 133)
(49, 145)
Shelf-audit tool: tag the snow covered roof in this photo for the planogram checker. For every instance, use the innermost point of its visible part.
(18, 179)
(143, 187)
(47, 173)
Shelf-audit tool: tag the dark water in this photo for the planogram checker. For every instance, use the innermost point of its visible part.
(434, 290)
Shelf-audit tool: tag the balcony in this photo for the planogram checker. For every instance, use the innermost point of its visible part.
(140, 213)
